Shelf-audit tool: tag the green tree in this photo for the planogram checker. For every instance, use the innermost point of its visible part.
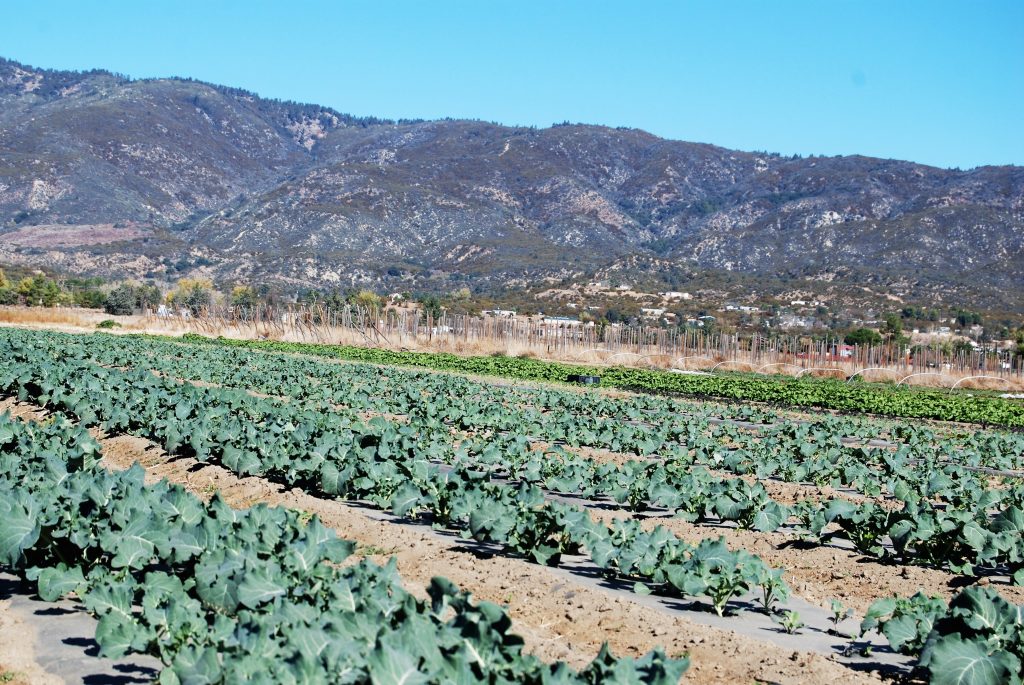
(192, 294)
(892, 330)
(39, 291)
(966, 318)
(431, 306)
(863, 336)
(7, 293)
(369, 300)
(90, 298)
(129, 298)
(244, 296)
(150, 296)
(962, 347)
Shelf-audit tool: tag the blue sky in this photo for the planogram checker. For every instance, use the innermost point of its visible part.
(936, 82)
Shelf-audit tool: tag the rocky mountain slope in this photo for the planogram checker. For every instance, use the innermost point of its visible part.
(153, 178)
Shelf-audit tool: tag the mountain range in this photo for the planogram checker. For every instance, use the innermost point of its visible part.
(157, 178)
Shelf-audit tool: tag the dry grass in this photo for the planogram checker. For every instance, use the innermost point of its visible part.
(31, 316)
(83, 320)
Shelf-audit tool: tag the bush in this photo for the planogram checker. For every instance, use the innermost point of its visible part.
(121, 301)
(127, 299)
(108, 323)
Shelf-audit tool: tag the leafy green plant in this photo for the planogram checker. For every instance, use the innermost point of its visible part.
(790, 621)
(839, 613)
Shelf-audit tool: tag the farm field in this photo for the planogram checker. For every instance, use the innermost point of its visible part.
(972, 406)
(236, 512)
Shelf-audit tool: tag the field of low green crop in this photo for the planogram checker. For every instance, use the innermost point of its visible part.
(267, 595)
(780, 391)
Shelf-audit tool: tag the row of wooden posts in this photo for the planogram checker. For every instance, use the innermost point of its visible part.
(618, 344)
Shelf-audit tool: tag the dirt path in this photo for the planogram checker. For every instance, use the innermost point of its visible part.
(17, 650)
(559, 618)
(53, 642)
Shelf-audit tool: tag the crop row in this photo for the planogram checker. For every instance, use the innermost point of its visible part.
(975, 639)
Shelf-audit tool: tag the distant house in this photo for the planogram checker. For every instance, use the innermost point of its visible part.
(793, 321)
(500, 313)
(560, 321)
(676, 295)
(652, 312)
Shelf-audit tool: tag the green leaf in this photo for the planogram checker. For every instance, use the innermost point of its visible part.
(196, 666)
(114, 597)
(257, 588)
(955, 661)
(59, 581)
(770, 517)
(390, 667)
(405, 499)
(19, 530)
(114, 633)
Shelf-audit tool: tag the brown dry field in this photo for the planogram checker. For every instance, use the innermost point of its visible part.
(17, 652)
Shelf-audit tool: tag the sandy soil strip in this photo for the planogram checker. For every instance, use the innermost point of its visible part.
(17, 651)
(558, 618)
(20, 410)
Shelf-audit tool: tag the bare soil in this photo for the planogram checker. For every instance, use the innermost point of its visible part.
(17, 651)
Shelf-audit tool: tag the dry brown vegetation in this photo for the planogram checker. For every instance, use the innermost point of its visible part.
(77, 320)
